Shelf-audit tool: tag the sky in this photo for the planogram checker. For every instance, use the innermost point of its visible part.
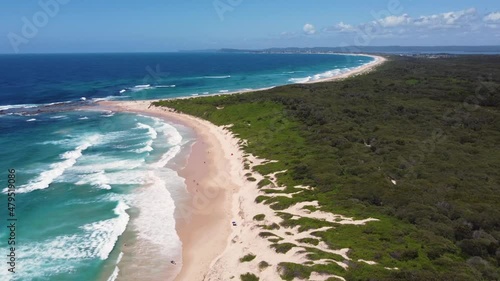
(55, 26)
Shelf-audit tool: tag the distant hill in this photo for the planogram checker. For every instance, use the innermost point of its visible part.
(378, 49)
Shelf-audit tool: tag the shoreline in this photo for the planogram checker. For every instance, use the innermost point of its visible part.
(219, 191)
(204, 223)
(363, 69)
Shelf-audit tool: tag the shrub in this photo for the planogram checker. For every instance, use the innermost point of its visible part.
(248, 258)
(249, 277)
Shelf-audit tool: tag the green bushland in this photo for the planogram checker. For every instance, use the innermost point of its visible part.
(432, 125)
(249, 277)
(263, 183)
(266, 234)
(290, 271)
(247, 258)
(272, 226)
(282, 248)
(311, 241)
(259, 217)
(263, 265)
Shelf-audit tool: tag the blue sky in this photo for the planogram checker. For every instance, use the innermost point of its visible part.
(170, 25)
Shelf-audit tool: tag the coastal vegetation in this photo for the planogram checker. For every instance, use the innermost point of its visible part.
(249, 277)
(247, 258)
(413, 144)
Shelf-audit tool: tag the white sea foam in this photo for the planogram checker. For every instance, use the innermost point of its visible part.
(147, 148)
(57, 169)
(31, 120)
(151, 131)
(138, 88)
(83, 118)
(89, 164)
(224, 91)
(104, 234)
(108, 98)
(169, 155)
(217, 77)
(165, 86)
(319, 76)
(115, 273)
(12, 106)
(155, 222)
(300, 80)
(83, 98)
(99, 180)
(59, 117)
(171, 133)
(142, 86)
(62, 253)
(122, 91)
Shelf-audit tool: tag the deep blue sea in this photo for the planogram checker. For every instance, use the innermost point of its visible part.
(92, 185)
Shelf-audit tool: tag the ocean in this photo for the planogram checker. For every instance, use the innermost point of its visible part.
(91, 185)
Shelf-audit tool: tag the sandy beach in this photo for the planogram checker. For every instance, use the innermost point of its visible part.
(220, 195)
(378, 60)
(205, 222)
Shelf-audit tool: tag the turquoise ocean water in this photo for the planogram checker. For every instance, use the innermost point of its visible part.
(90, 182)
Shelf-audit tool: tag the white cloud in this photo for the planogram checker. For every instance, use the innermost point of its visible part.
(447, 20)
(492, 17)
(392, 21)
(309, 29)
(344, 27)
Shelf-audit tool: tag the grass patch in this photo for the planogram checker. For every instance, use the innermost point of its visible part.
(248, 258)
(283, 248)
(311, 241)
(264, 182)
(263, 265)
(266, 234)
(249, 277)
(259, 217)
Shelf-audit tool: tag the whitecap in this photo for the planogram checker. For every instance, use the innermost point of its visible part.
(166, 157)
(217, 77)
(39, 260)
(147, 148)
(104, 234)
(31, 120)
(300, 80)
(151, 131)
(57, 169)
(12, 106)
(155, 222)
(98, 180)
